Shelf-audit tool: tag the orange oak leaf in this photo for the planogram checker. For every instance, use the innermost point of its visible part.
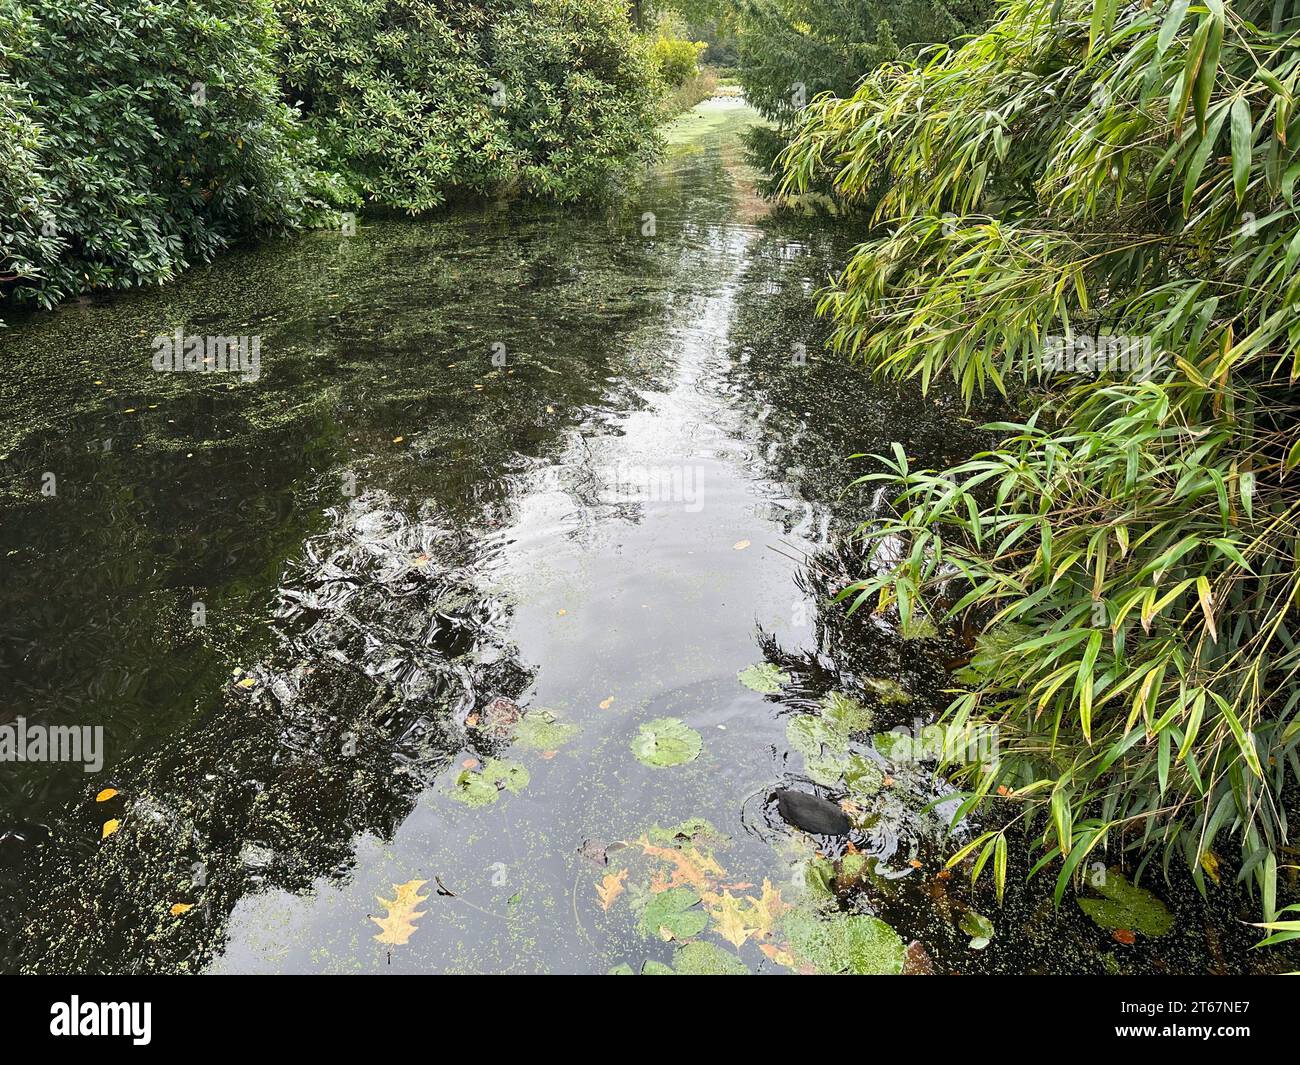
(610, 888)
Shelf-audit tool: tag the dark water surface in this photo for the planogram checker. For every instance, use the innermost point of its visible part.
(389, 529)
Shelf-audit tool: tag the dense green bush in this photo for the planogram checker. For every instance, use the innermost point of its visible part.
(677, 59)
(29, 248)
(1129, 549)
(791, 51)
(139, 137)
(414, 100)
(794, 50)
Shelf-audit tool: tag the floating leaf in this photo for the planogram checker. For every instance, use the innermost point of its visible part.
(605, 704)
(768, 907)
(179, 908)
(707, 959)
(670, 915)
(887, 692)
(764, 678)
(666, 741)
(1125, 905)
(396, 928)
(106, 794)
(729, 920)
(979, 928)
(541, 730)
(691, 865)
(499, 717)
(844, 943)
(740, 545)
(482, 788)
(610, 888)
(777, 954)
(109, 828)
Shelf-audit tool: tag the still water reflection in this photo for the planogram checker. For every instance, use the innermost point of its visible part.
(514, 454)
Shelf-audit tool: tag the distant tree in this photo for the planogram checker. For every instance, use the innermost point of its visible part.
(793, 50)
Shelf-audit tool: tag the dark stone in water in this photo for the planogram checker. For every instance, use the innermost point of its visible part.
(811, 813)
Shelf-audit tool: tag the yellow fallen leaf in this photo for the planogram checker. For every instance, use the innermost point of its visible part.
(179, 908)
(248, 682)
(561, 612)
(740, 545)
(767, 908)
(781, 957)
(695, 868)
(402, 912)
(110, 827)
(605, 704)
(730, 922)
(610, 888)
(398, 439)
(106, 794)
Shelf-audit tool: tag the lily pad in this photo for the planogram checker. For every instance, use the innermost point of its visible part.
(541, 730)
(669, 915)
(764, 678)
(845, 943)
(839, 718)
(666, 741)
(846, 713)
(936, 743)
(862, 777)
(707, 959)
(887, 692)
(483, 787)
(823, 739)
(1125, 905)
(689, 831)
(979, 928)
